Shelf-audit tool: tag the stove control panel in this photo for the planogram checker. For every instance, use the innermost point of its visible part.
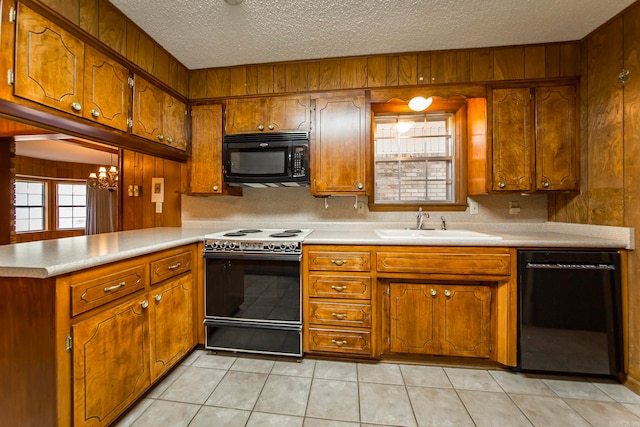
(252, 246)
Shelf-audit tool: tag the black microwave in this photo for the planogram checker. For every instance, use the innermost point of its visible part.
(276, 159)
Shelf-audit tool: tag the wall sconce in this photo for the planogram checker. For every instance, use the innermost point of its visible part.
(420, 103)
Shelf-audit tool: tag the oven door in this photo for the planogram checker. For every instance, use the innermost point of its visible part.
(253, 287)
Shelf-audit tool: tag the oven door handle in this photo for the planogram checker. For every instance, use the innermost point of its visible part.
(251, 256)
(260, 325)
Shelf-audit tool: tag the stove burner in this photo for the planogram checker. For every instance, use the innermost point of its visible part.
(295, 231)
(234, 234)
(283, 234)
(250, 230)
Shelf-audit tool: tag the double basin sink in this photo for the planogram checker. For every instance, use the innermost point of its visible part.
(434, 234)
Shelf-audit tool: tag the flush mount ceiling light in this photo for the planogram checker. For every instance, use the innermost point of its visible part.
(419, 103)
(233, 2)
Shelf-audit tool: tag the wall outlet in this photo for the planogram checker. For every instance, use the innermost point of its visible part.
(514, 208)
(360, 209)
(473, 207)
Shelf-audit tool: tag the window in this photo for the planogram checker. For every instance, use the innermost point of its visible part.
(71, 205)
(414, 159)
(30, 206)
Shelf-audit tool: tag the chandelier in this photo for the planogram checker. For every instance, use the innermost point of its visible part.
(104, 179)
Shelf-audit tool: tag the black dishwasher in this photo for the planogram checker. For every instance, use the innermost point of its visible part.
(569, 312)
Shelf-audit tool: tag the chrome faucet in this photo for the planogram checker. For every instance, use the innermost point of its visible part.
(443, 224)
(421, 216)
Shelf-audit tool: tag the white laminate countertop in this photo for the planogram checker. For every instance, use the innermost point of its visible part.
(49, 258)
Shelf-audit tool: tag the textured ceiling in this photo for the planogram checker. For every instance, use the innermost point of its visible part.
(212, 33)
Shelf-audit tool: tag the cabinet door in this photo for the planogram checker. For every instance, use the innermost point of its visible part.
(465, 320)
(148, 109)
(244, 115)
(171, 324)
(205, 161)
(556, 146)
(107, 94)
(288, 114)
(175, 122)
(110, 362)
(49, 65)
(513, 140)
(414, 318)
(340, 141)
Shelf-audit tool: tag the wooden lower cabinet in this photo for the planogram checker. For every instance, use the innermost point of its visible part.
(86, 345)
(450, 320)
(171, 323)
(110, 362)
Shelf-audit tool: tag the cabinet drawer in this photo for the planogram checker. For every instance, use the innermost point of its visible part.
(340, 314)
(339, 261)
(459, 261)
(103, 288)
(337, 341)
(171, 266)
(351, 287)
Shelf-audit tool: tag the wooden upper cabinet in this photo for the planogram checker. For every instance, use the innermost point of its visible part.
(205, 161)
(148, 109)
(157, 115)
(513, 139)
(340, 142)
(107, 91)
(49, 63)
(276, 114)
(175, 122)
(556, 146)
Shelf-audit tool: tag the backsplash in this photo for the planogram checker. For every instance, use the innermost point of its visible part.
(296, 207)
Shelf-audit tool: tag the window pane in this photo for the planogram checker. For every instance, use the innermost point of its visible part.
(72, 200)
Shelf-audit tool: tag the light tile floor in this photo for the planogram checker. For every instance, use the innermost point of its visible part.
(226, 390)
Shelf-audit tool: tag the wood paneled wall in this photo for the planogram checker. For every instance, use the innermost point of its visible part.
(106, 23)
(379, 71)
(139, 212)
(7, 173)
(610, 188)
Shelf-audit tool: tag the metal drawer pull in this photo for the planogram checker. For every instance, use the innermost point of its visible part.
(338, 288)
(158, 297)
(339, 262)
(174, 266)
(114, 287)
(339, 316)
(339, 343)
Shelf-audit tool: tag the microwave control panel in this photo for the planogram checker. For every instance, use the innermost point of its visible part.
(299, 159)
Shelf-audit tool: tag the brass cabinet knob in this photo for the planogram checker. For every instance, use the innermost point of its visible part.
(158, 297)
(272, 126)
(360, 186)
(215, 188)
(501, 184)
(432, 292)
(95, 113)
(144, 304)
(447, 293)
(76, 106)
(160, 137)
(545, 184)
(260, 126)
(169, 140)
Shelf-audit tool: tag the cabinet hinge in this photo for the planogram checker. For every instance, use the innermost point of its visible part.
(12, 15)
(388, 290)
(130, 123)
(130, 80)
(389, 340)
(69, 344)
(10, 77)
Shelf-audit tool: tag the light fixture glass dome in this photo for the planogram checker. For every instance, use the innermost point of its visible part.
(420, 103)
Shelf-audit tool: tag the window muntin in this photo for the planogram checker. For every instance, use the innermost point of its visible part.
(414, 159)
(71, 205)
(29, 206)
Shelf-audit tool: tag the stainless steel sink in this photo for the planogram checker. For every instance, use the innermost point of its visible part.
(433, 234)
